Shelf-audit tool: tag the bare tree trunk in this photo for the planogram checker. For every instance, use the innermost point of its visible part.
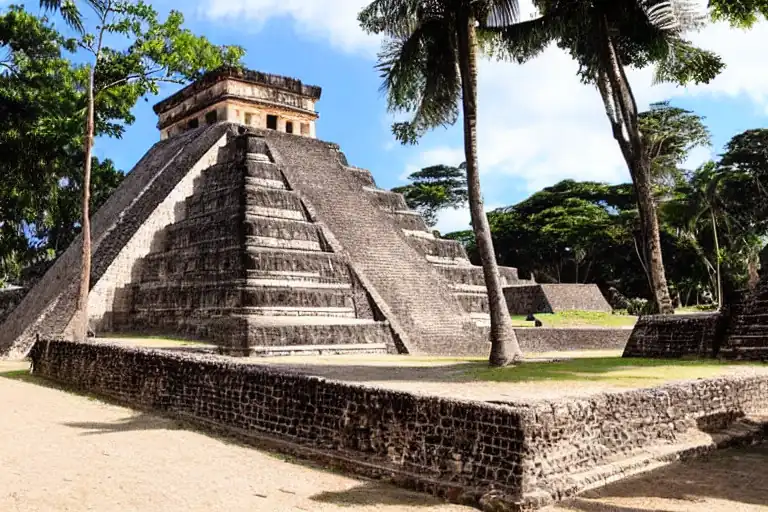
(621, 109)
(81, 315)
(504, 346)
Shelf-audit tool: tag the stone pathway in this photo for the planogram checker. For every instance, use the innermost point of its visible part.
(63, 452)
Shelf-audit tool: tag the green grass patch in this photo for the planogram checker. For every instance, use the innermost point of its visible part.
(618, 371)
(152, 340)
(577, 319)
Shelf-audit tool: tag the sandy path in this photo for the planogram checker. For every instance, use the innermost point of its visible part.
(62, 452)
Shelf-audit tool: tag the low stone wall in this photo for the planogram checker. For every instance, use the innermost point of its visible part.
(550, 339)
(674, 336)
(510, 455)
(446, 447)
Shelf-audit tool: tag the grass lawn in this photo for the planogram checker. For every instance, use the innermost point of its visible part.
(577, 319)
(616, 371)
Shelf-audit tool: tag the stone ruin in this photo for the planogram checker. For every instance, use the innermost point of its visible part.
(250, 233)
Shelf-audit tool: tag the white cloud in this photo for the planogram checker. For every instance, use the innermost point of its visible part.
(458, 219)
(333, 20)
(538, 123)
(434, 156)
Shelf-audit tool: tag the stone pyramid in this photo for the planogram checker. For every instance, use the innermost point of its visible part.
(263, 242)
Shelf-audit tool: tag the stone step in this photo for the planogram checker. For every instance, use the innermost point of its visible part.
(427, 235)
(266, 183)
(386, 199)
(438, 247)
(325, 264)
(319, 350)
(448, 262)
(266, 331)
(409, 219)
(473, 302)
(188, 296)
(473, 275)
(291, 276)
(286, 229)
(282, 243)
(310, 313)
(363, 176)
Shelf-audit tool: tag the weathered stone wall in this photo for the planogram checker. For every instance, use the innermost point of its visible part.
(567, 437)
(672, 336)
(437, 445)
(527, 453)
(553, 298)
(116, 230)
(550, 339)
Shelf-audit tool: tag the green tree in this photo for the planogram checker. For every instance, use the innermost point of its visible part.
(428, 64)
(670, 134)
(41, 142)
(435, 188)
(605, 38)
(155, 51)
(740, 13)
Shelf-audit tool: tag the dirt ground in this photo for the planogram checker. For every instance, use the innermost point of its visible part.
(64, 452)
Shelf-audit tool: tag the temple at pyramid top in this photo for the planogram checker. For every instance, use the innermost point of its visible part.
(241, 96)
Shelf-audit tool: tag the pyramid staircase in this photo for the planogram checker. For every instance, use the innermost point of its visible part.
(248, 269)
(747, 337)
(449, 257)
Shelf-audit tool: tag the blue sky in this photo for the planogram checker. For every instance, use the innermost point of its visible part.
(538, 124)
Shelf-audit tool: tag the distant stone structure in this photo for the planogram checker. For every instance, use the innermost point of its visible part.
(526, 298)
(262, 241)
(738, 332)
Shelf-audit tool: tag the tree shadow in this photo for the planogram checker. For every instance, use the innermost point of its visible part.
(140, 421)
(376, 493)
(584, 505)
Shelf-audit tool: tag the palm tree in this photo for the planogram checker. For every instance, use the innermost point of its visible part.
(428, 62)
(605, 36)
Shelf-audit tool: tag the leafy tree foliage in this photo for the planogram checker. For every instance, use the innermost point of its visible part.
(152, 52)
(435, 188)
(605, 38)
(41, 144)
(740, 13)
(713, 226)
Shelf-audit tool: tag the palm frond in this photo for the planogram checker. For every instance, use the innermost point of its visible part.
(521, 41)
(67, 9)
(421, 76)
(394, 18)
(675, 16)
(499, 13)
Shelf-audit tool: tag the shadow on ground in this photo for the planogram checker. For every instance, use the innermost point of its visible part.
(737, 475)
(375, 493)
(139, 421)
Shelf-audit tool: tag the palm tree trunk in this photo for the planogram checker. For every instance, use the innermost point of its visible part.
(81, 315)
(640, 171)
(717, 255)
(504, 346)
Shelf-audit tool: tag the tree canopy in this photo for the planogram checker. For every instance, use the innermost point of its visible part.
(435, 188)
